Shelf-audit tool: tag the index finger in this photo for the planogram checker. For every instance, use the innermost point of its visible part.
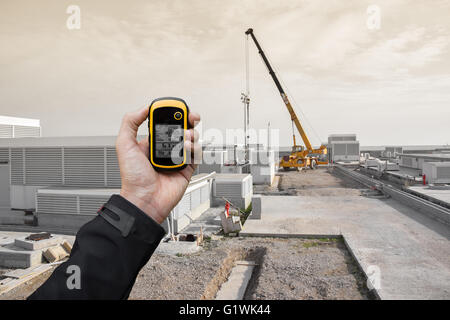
(131, 122)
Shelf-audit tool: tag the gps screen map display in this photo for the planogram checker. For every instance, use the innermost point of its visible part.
(169, 141)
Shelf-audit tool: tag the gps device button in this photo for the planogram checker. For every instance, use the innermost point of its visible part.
(177, 115)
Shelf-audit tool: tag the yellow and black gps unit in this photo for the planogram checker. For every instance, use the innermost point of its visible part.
(167, 124)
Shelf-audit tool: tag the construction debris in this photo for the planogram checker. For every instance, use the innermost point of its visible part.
(38, 236)
(55, 253)
(15, 278)
(230, 223)
(67, 246)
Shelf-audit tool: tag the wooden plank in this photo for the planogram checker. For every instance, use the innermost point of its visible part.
(18, 273)
(6, 286)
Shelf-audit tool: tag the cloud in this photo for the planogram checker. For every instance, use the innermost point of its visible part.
(333, 66)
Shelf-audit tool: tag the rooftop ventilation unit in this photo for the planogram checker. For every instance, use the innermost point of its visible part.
(12, 127)
(437, 172)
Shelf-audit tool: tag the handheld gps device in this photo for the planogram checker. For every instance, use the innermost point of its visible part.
(167, 122)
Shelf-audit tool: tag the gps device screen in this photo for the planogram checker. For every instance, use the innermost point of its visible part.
(168, 138)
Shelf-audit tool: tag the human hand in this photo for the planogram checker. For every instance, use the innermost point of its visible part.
(155, 193)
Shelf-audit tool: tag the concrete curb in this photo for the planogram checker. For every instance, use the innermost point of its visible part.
(294, 235)
(358, 262)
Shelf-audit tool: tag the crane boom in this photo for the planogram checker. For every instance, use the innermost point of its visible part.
(286, 101)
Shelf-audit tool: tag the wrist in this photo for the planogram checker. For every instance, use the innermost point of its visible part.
(143, 205)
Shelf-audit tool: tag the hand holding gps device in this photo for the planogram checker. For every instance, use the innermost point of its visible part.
(167, 123)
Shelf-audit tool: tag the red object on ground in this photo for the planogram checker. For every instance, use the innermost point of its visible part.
(227, 208)
(424, 179)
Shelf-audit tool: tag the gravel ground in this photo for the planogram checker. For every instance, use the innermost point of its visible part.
(318, 182)
(288, 269)
(178, 277)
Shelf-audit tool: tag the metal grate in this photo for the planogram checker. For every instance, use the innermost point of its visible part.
(90, 205)
(4, 155)
(43, 166)
(227, 189)
(407, 161)
(353, 149)
(112, 168)
(17, 166)
(6, 131)
(26, 131)
(84, 167)
(56, 204)
(442, 172)
(339, 149)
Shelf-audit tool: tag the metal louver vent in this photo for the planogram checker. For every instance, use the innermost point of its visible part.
(443, 172)
(112, 168)
(43, 166)
(90, 205)
(84, 167)
(227, 189)
(406, 161)
(6, 131)
(25, 131)
(17, 168)
(352, 149)
(4, 155)
(56, 204)
(340, 149)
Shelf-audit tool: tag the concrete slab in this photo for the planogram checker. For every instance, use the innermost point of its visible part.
(256, 208)
(209, 222)
(177, 248)
(407, 250)
(437, 194)
(234, 288)
(36, 245)
(14, 257)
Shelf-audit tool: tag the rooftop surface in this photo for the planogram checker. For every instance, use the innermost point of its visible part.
(410, 250)
(438, 194)
(444, 156)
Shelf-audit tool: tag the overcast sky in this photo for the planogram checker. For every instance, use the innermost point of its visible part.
(389, 85)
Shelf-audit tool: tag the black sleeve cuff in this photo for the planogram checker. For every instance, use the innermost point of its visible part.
(144, 227)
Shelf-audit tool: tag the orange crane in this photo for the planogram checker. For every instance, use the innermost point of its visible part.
(300, 157)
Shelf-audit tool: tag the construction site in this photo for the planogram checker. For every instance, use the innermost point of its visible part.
(342, 220)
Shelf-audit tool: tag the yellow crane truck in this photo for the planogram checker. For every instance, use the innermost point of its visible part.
(300, 157)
